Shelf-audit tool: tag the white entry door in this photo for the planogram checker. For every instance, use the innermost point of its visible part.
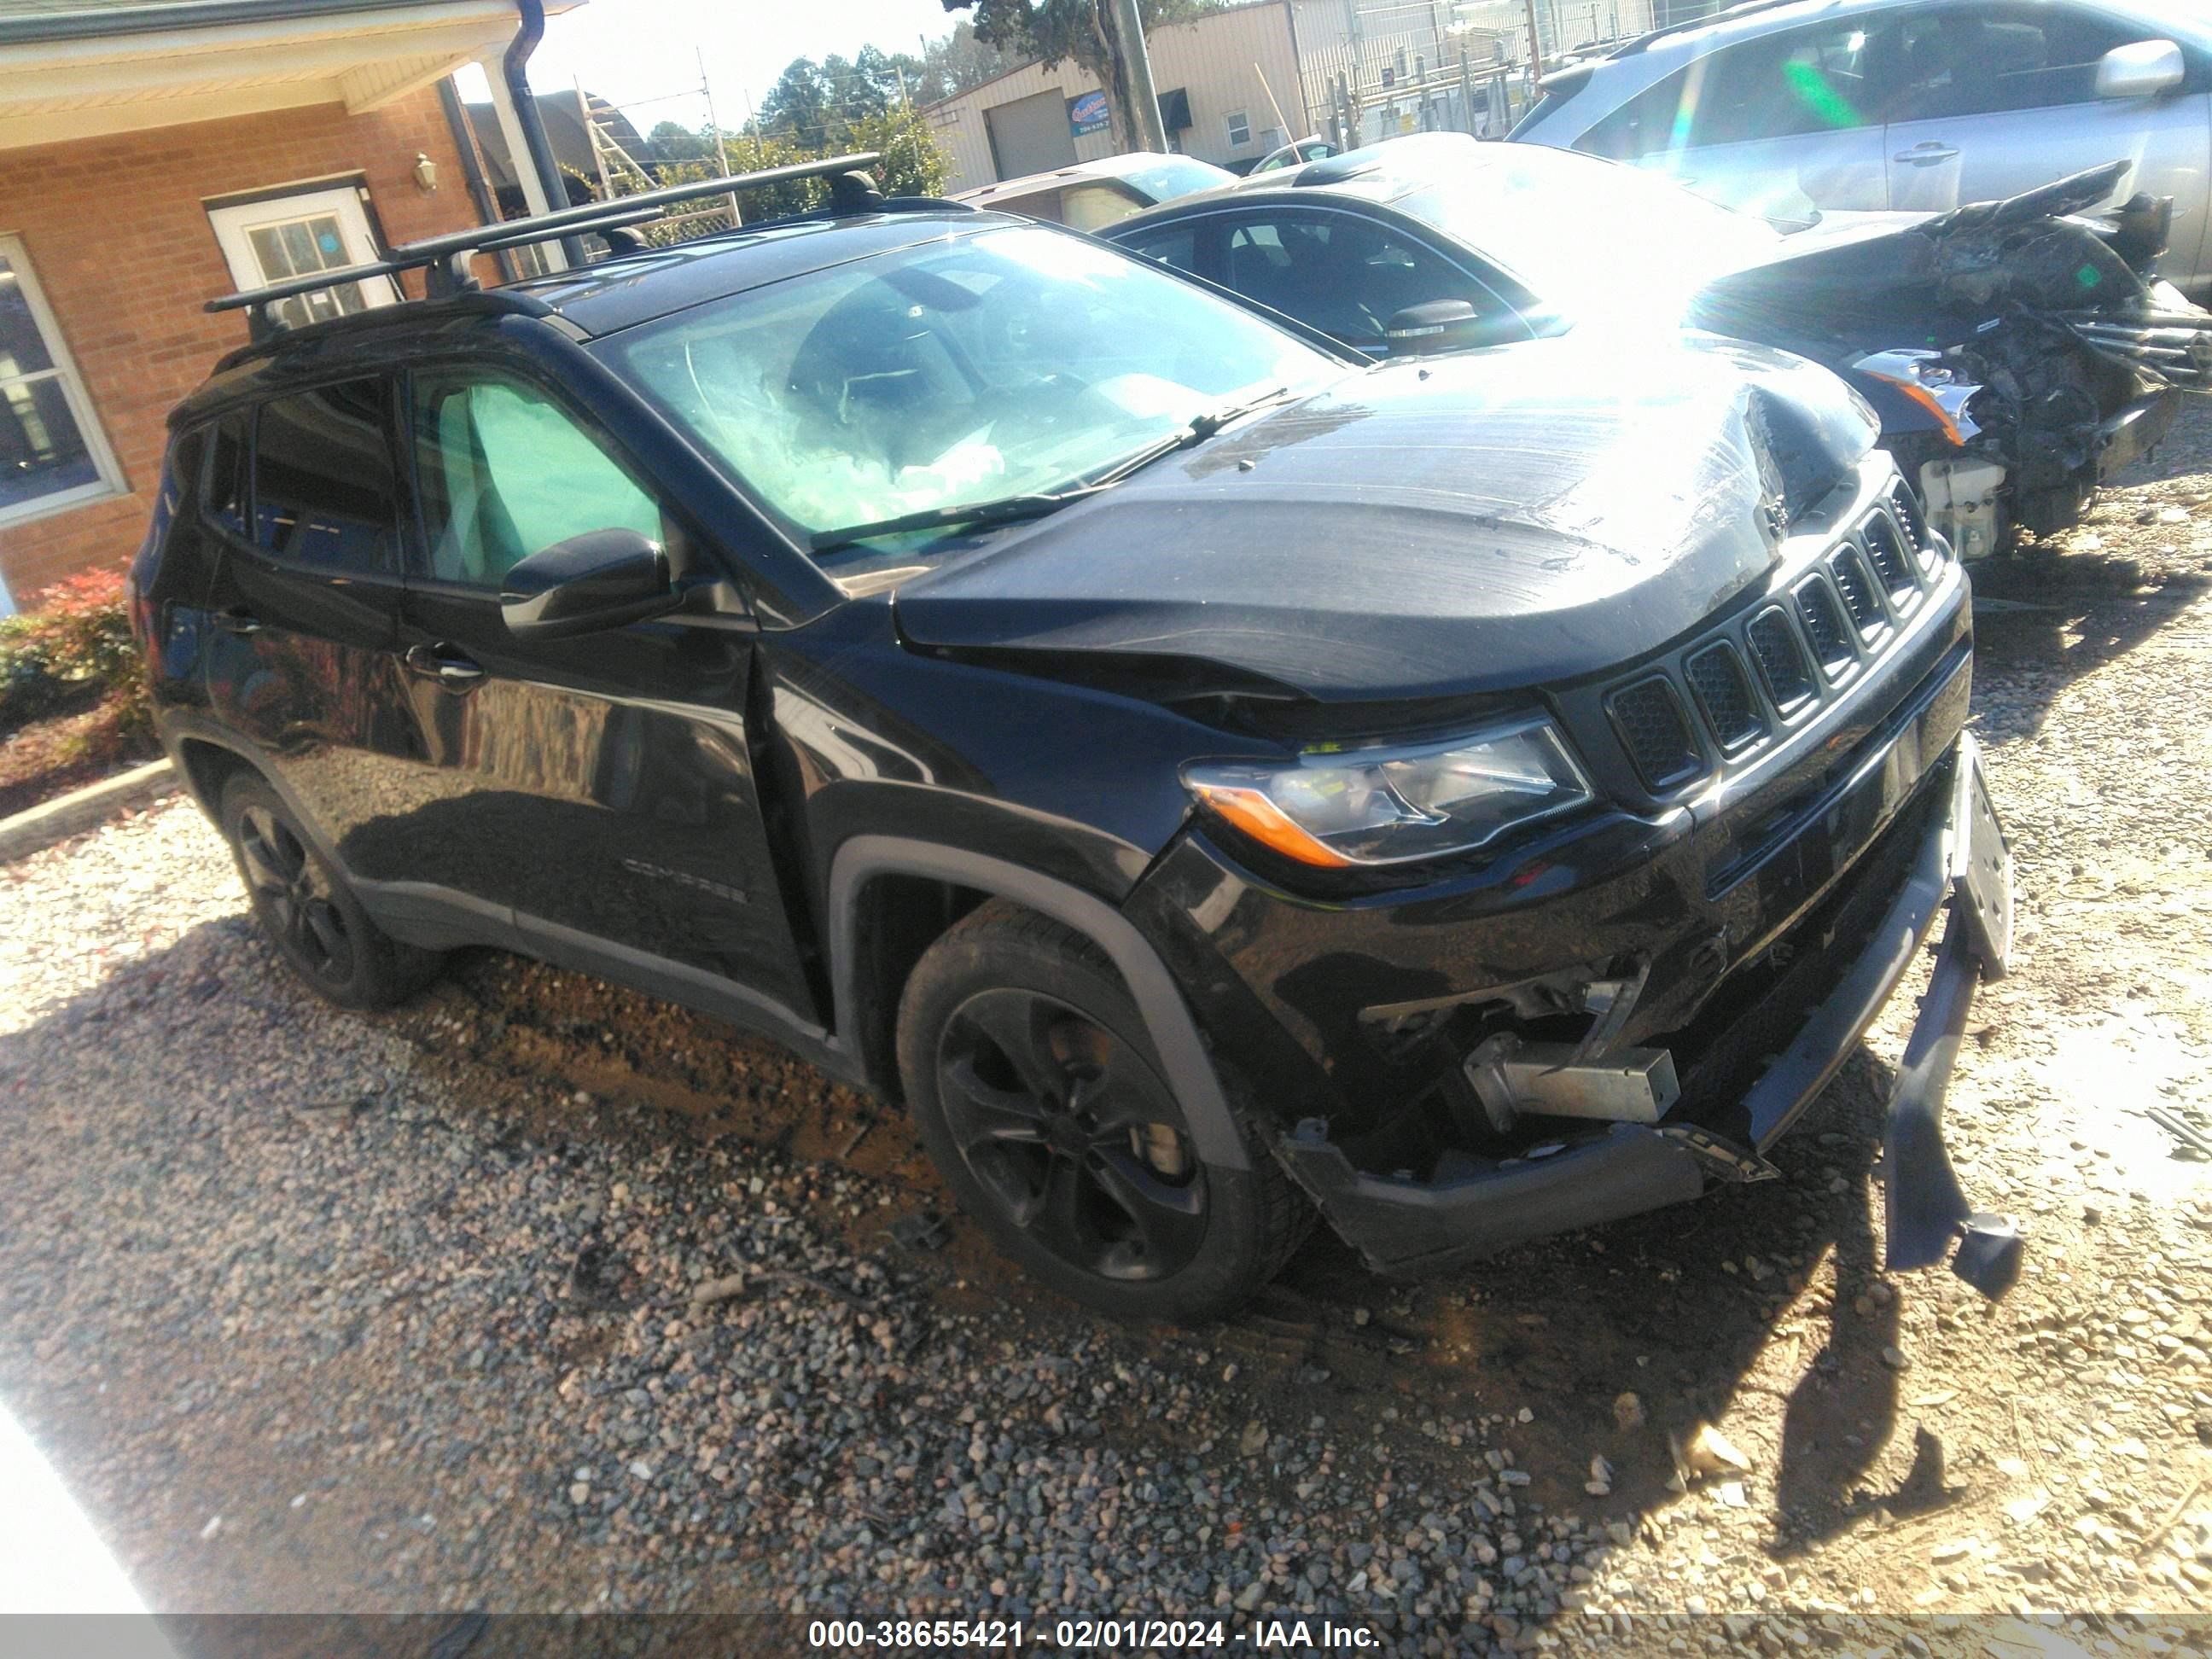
(284, 236)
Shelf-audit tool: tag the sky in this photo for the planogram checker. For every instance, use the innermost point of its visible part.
(635, 50)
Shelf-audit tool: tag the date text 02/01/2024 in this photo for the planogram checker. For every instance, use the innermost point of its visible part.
(1083, 1635)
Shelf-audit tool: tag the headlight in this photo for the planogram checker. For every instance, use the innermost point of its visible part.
(1929, 380)
(1393, 805)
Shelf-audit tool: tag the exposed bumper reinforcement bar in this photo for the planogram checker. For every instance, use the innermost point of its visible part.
(1400, 1224)
(1927, 1209)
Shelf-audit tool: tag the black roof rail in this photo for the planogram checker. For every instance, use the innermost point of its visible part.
(445, 257)
(490, 302)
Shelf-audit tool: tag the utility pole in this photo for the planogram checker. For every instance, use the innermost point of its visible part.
(1535, 44)
(1151, 132)
(721, 156)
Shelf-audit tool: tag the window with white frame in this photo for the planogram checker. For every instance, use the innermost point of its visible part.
(1240, 129)
(51, 453)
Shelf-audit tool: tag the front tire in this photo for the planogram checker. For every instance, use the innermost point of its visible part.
(308, 912)
(1035, 1086)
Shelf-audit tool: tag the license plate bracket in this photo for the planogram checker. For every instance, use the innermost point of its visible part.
(1981, 864)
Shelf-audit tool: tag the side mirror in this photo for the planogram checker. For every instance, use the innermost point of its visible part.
(1433, 325)
(1453, 325)
(602, 579)
(2142, 69)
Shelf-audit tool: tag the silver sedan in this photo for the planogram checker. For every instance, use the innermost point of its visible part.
(1920, 106)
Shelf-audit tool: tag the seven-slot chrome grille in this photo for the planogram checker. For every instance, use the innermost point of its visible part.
(1725, 693)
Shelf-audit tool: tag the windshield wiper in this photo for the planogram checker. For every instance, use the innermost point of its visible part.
(1010, 509)
(1007, 509)
(1201, 428)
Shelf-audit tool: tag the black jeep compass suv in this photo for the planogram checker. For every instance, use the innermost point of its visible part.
(1209, 778)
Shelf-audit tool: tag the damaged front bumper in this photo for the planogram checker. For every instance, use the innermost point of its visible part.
(1960, 874)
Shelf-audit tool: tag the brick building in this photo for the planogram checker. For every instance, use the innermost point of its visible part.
(153, 157)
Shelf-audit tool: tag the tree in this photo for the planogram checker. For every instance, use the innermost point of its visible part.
(797, 107)
(875, 85)
(672, 141)
(1087, 31)
(962, 61)
(912, 165)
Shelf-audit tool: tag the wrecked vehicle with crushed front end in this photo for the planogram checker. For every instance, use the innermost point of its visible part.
(2045, 351)
(1204, 777)
(1591, 767)
(2016, 352)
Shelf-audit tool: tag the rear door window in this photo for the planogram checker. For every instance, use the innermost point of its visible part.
(325, 490)
(1782, 86)
(1807, 80)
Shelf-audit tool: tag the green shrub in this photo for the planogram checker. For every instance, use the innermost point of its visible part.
(28, 690)
(76, 631)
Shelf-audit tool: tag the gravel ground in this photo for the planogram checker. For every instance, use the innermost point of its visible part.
(537, 1295)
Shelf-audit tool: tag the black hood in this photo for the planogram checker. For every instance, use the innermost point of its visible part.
(1474, 523)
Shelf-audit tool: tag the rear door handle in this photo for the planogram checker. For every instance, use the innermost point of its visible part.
(238, 620)
(444, 664)
(1926, 154)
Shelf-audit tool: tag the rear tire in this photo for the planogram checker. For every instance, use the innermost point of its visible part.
(307, 911)
(1034, 1083)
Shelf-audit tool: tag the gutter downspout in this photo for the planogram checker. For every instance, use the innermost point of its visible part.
(472, 173)
(514, 69)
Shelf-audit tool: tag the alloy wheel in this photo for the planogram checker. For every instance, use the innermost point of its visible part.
(1073, 1134)
(295, 896)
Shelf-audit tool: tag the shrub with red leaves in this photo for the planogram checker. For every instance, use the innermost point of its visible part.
(73, 633)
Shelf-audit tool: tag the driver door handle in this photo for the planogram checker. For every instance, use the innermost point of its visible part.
(445, 663)
(1926, 154)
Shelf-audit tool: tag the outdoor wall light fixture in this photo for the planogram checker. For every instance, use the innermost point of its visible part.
(426, 173)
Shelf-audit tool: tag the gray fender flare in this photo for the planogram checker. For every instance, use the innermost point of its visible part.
(1167, 1017)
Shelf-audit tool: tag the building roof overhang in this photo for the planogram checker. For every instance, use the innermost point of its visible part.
(90, 70)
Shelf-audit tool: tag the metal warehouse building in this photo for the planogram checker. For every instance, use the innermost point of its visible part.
(1238, 82)
(1220, 78)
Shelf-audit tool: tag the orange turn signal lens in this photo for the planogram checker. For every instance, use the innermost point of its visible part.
(1928, 400)
(1250, 810)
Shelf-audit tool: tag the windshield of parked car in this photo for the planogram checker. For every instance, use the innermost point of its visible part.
(1013, 361)
(1590, 236)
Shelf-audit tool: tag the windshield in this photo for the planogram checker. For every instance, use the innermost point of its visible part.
(1588, 235)
(1015, 361)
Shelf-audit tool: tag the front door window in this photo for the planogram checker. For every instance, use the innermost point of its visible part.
(504, 473)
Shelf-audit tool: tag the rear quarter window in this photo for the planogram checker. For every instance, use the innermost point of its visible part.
(1657, 118)
(223, 496)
